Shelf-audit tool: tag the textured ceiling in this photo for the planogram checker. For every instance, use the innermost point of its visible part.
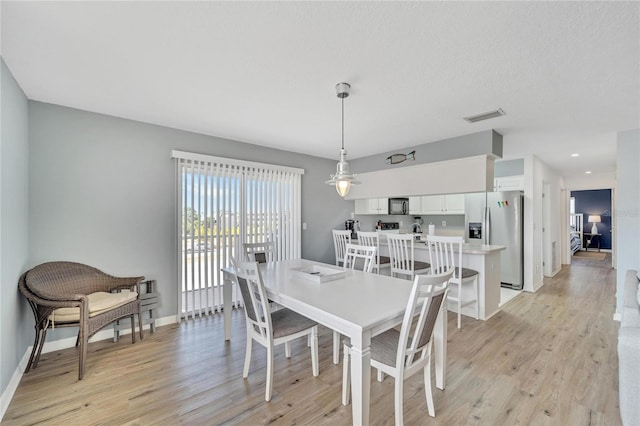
(566, 73)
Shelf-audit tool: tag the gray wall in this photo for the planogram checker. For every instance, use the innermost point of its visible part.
(480, 143)
(102, 192)
(627, 207)
(16, 331)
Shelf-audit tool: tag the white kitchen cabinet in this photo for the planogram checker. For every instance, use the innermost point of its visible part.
(458, 176)
(363, 206)
(441, 204)
(432, 204)
(372, 206)
(454, 204)
(509, 183)
(415, 205)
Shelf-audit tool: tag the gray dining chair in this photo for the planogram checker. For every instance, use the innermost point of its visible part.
(401, 354)
(357, 257)
(260, 252)
(268, 328)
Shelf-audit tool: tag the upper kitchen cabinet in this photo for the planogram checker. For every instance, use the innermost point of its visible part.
(441, 204)
(462, 175)
(415, 205)
(372, 206)
(509, 183)
(454, 203)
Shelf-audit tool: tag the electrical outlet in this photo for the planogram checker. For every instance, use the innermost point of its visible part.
(304, 226)
(353, 215)
(444, 223)
(400, 224)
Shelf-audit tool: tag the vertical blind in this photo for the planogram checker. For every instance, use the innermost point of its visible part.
(221, 203)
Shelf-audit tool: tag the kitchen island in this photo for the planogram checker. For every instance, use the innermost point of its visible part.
(483, 258)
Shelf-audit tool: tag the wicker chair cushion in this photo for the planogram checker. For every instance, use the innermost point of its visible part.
(99, 302)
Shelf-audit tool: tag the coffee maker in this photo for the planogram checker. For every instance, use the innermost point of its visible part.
(353, 226)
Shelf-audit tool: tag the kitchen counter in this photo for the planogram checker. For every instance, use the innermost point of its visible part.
(482, 258)
(469, 248)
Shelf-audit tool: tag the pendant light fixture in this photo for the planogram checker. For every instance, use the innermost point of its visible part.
(343, 179)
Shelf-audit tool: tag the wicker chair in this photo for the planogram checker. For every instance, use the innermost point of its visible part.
(67, 294)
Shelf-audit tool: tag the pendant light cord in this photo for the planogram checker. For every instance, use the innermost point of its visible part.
(342, 122)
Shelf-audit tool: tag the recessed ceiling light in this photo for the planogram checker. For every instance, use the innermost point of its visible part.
(588, 172)
(575, 155)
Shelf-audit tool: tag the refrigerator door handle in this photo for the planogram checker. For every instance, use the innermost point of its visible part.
(487, 225)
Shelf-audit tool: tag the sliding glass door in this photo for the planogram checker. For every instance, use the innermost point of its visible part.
(221, 204)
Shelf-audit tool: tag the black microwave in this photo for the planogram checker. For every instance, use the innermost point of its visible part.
(398, 206)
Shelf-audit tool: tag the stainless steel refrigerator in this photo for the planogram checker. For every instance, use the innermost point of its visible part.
(496, 218)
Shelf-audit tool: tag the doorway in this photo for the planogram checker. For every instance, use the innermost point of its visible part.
(595, 208)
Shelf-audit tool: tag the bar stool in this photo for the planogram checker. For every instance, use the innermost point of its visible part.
(442, 255)
(372, 239)
(340, 241)
(402, 256)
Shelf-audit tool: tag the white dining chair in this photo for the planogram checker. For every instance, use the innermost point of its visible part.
(445, 253)
(360, 257)
(357, 257)
(401, 354)
(270, 328)
(260, 252)
(340, 240)
(367, 238)
(402, 256)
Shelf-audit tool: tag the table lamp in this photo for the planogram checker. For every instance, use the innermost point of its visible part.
(594, 219)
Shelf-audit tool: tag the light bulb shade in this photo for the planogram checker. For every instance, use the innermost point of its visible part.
(343, 187)
(343, 179)
(595, 218)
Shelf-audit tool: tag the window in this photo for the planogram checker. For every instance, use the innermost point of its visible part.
(572, 205)
(221, 203)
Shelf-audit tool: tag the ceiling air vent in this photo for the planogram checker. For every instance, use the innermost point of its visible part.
(485, 116)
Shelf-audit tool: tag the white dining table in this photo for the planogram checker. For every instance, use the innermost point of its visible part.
(359, 306)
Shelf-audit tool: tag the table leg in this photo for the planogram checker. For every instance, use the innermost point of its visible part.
(227, 288)
(440, 347)
(360, 379)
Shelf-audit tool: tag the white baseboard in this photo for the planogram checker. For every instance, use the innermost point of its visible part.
(492, 314)
(553, 273)
(7, 395)
(57, 345)
(533, 288)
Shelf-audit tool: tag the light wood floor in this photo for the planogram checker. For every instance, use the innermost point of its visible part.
(546, 358)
